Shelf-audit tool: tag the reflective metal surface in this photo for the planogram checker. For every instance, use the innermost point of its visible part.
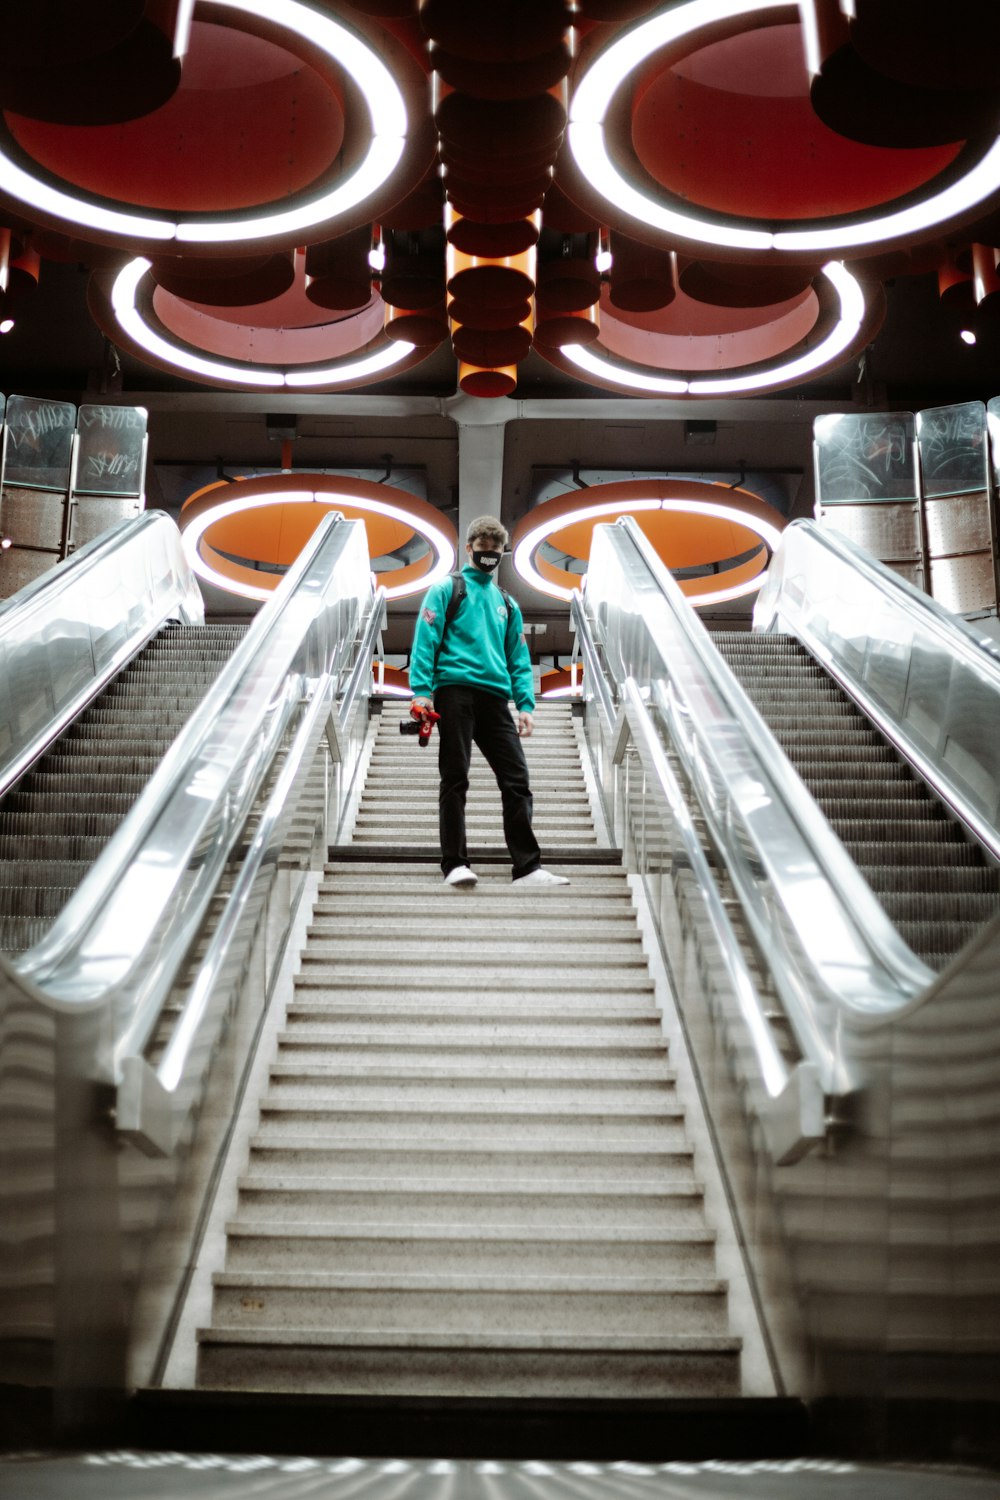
(190, 903)
(65, 476)
(925, 678)
(875, 1257)
(66, 634)
(890, 532)
(954, 465)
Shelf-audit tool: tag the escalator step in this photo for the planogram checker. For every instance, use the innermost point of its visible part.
(132, 758)
(52, 846)
(928, 879)
(896, 794)
(942, 906)
(883, 829)
(18, 934)
(873, 854)
(68, 792)
(55, 873)
(937, 940)
(100, 822)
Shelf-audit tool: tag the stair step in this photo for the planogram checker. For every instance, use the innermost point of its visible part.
(487, 1249)
(401, 1200)
(473, 1072)
(470, 1304)
(660, 1120)
(595, 875)
(497, 1366)
(455, 1046)
(623, 948)
(423, 885)
(395, 1025)
(437, 903)
(469, 979)
(442, 1157)
(471, 1017)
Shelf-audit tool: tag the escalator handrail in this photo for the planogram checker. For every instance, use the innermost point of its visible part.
(772, 1068)
(213, 770)
(889, 973)
(816, 1046)
(955, 633)
(76, 626)
(264, 849)
(593, 672)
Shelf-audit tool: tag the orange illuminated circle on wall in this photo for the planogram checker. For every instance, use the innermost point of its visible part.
(691, 524)
(562, 682)
(241, 535)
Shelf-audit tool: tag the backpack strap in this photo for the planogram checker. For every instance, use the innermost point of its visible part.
(458, 591)
(458, 594)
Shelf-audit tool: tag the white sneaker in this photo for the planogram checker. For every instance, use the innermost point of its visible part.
(461, 876)
(542, 877)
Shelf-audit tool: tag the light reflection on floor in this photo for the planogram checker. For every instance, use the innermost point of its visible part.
(133, 1475)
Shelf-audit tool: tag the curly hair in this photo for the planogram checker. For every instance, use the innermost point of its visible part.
(489, 528)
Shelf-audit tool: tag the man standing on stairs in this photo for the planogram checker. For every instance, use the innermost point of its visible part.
(469, 659)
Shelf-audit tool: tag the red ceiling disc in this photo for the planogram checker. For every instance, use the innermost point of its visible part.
(730, 127)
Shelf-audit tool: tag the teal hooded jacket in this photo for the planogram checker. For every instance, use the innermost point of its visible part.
(480, 649)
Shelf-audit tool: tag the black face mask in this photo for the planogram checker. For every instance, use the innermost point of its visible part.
(487, 561)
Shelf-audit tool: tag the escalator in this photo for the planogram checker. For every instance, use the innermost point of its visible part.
(813, 808)
(932, 879)
(63, 811)
(153, 857)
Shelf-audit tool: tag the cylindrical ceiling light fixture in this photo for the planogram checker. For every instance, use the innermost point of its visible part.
(488, 383)
(491, 315)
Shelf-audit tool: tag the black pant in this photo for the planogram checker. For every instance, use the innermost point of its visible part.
(469, 714)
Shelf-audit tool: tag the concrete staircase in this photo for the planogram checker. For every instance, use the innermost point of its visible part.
(471, 1175)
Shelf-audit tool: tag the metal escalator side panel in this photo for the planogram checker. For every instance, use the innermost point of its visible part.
(934, 882)
(926, 679)
(74, 796)
(68, 633)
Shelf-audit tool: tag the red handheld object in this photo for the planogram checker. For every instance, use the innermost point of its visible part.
(426, 718)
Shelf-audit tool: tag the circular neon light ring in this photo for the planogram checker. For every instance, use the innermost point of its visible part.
(345, 49)
(592, 360)
(125, 307)
(256, 494)
(753, 519)
(612, 68)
